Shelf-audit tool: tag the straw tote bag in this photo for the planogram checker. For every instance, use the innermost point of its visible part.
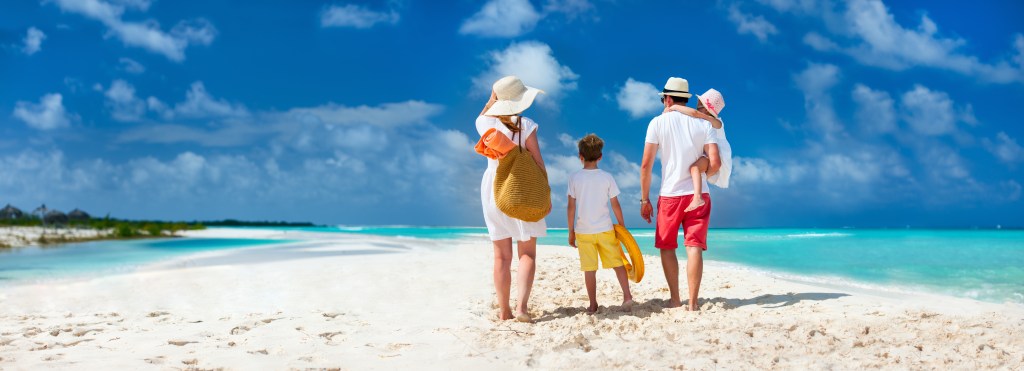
(521, 189)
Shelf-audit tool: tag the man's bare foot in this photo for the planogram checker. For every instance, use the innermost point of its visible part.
(627, 306)
(674, 303)
(696, 203)
(592, 309)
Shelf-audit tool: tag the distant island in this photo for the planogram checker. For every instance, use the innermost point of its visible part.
(44, 226)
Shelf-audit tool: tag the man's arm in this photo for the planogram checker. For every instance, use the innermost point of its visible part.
(715, 161)
(646, 167)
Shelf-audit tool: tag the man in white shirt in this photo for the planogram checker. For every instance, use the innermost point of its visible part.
(680, 140)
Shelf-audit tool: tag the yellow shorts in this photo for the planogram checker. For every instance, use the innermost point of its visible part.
(604, 244)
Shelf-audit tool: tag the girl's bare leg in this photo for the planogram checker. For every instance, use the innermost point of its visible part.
(700, 166)
(503, 276)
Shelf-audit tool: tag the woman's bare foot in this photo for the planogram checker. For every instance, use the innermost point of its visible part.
(524, 317)
(674, 303)
(696, 203)
(592, 309)
(505, 316)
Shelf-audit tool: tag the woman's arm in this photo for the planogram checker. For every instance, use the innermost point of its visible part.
(490, 102)
(716, 123)
(534, 147)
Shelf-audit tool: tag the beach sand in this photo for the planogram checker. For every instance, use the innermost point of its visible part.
(26, 236)
(364, 302)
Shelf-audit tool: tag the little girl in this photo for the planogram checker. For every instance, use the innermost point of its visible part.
(709, 107)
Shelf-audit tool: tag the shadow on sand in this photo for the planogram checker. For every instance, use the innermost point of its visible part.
(647, 308)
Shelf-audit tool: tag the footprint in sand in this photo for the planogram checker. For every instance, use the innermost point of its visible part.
(331, 315)
(190, 362)
(158, 360)
(261, 351)
(157, 314)
(81, 333)
(180, 342)
(330, 336)
(238, 330)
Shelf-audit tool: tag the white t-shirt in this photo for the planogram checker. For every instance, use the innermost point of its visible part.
(680, 139)
(592, 188)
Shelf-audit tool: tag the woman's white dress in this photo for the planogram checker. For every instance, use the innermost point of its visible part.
(499, 225)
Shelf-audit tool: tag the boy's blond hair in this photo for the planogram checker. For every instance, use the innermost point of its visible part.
(590, 147)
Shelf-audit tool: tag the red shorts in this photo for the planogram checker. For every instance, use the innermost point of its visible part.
(671, 217)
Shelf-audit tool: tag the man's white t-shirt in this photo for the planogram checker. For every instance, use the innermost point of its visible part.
(592, 188)
(680, 139)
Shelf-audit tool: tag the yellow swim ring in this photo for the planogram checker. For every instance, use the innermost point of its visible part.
(635, 260)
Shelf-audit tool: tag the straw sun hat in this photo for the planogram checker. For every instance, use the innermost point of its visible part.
(713, 101)
(513, 97)
(676, 87)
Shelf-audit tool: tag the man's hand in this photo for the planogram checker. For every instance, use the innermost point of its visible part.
(572, 238)
(646, 211)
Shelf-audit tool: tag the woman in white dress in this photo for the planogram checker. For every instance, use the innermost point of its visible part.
(509, 98)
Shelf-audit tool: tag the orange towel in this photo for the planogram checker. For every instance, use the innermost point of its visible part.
(494, 145)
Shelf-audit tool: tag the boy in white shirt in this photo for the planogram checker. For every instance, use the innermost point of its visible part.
(590, 226)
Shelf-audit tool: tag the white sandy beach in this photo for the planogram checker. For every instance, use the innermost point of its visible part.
(362, 302)
(26, 236)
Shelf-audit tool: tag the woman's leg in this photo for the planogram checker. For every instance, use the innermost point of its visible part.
(700, 166)
(503, 276)
(527, 266)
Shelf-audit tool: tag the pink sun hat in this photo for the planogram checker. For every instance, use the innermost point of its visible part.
(713, 101)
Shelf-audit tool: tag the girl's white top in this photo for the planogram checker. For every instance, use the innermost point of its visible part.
(721, 179)
(499, 225)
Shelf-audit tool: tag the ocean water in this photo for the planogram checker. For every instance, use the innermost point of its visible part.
(33, 264)
(980, 264)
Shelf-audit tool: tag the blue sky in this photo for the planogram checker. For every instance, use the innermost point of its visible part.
(857, 113)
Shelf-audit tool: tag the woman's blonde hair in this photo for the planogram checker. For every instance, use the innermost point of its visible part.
(510, 123)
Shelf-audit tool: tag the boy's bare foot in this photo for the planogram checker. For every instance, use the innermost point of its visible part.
(696, 203)
(627, 306)
(592, 309)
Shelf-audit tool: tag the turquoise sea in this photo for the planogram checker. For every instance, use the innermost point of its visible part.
(104, 257)
(982, 264)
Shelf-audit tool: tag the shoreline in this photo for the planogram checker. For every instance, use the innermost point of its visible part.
(365, 302)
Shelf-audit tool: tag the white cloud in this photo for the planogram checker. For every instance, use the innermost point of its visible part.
(867, 31)
(638, 98)
(48, 114)
(749, 24)
(567, 140)
(535, 64)
(124, 105)
(130, 65)
(572, 9)
(815, 82)
(199, 104)
(876, 110)
(33, 41)
(928, 112)
(820, 43)
(502, 18)
(1005, 148)
(355, 16)
(146, 35)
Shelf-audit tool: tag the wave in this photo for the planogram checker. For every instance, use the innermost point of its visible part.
(818, 235)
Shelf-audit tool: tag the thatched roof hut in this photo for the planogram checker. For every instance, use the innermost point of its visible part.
(11, 212)
(77, 215)
(40, 212)
(55, 217)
